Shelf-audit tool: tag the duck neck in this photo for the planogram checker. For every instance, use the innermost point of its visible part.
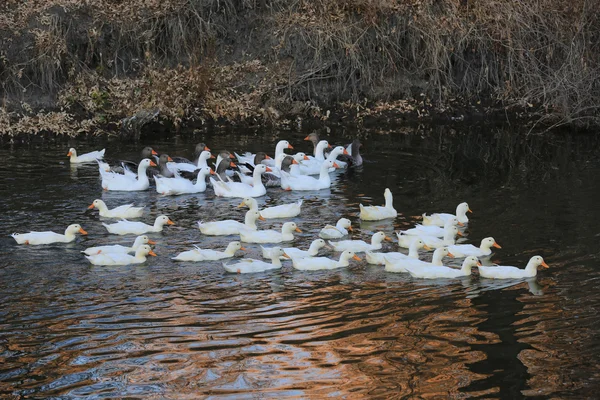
(319, 152)
(413, 250)
(313, 250)
(202, 160)
(279, 149)
(438, 256)
(324, 175)
(449, 238)
(142, 177)
(102, 207)
(376, 243)
(531, 268)
(344, 261)
(485, 249)
(256, 180)
(136, 244)
(73, 156)
(158, 224)
(250, 221)
(200, 180)
(276, 261)
(461, 215)
(69, 235)
(389, 200)
(340, 228)
(466, 267)
(230, 251)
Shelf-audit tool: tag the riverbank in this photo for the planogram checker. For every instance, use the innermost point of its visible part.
(94, 67)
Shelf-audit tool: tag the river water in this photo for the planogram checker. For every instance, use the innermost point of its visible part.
(179, 330)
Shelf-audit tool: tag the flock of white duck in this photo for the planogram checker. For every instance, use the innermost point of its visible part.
(437, 233)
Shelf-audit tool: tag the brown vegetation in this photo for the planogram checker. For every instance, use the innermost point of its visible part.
(80, 65)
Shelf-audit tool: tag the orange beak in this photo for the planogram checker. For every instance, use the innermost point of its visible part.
(169, 222)
(357, 258)
(267, 157)
(294, 162)
(329, 146)
(346, 152)
(151, 253)
(154, 153)
(82, 231)
(242, 204)
(459, 234)
(90, 207)
(290, 146)
(152, 163)
(206, 148)
(427, 248)
(544, 264)
(298, 230)
(269, 170)
(350, 229)
(262, 218)
(286, 256)
(479, 264)
(389, 239)
(151, 242)
(169, 159)
(469, 210)
(306, 158)
(450, 255)
(212, 172)
(335, 165)
(243, 248)
(496, 245)
(307, 138)
(232, 165)
(231, 156)
(460, 224)
(212, 156)
(69, 154)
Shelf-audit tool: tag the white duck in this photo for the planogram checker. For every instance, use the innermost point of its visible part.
(183, 166)
(279, 149)
(124, 211)
(179, 185)
(377, 213)
(199, 254)
(317, 263)
(464, 250)
(248, 265)
(282, 211)
(293, 252)
(360, 245)
(432, 230)
(335, 153)
(431, 241)
(127, 182)
(239, 189)
(122, 258)
(229, 226)
(305, 182)
(138, 228)
(312, 165)
(87, 157)
(440, 219)
(340, 229)
(402, 264)
(445, 272)
(413, 252)
(508, 272)
(270, 236)
(49, 237)
(117, 248)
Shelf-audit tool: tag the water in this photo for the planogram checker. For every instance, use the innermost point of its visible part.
(186, 330)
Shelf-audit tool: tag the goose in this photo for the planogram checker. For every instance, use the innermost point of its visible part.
(85, 158)
(312, 166)
(249, 265)
(238, 189)
(353, 148)
(340, 229)
(445, 272)
(317, 263)
(431, 241)
(282, 211)
(485, 249)
(129, 166)
(124, 211)
(335, 153)
(413, 252)
(222, 165)
(127, 183)
(270, 236)
(305, 182)
(230, 227)
(432, 230)
(48, 237)
(440, 219)
(314, 139)
(179, 185)
(279, 149)
(117, 248)
(402, 264)
(122, 258)
(199, 254)
(202, 162)
(163, 167)
(508, 272)
(293, 252)
(377, 213)
(125, 227)
(200, 147)
(359, 245)
(249, 164)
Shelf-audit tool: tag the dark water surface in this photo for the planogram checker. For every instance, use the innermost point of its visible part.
(189, 330)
